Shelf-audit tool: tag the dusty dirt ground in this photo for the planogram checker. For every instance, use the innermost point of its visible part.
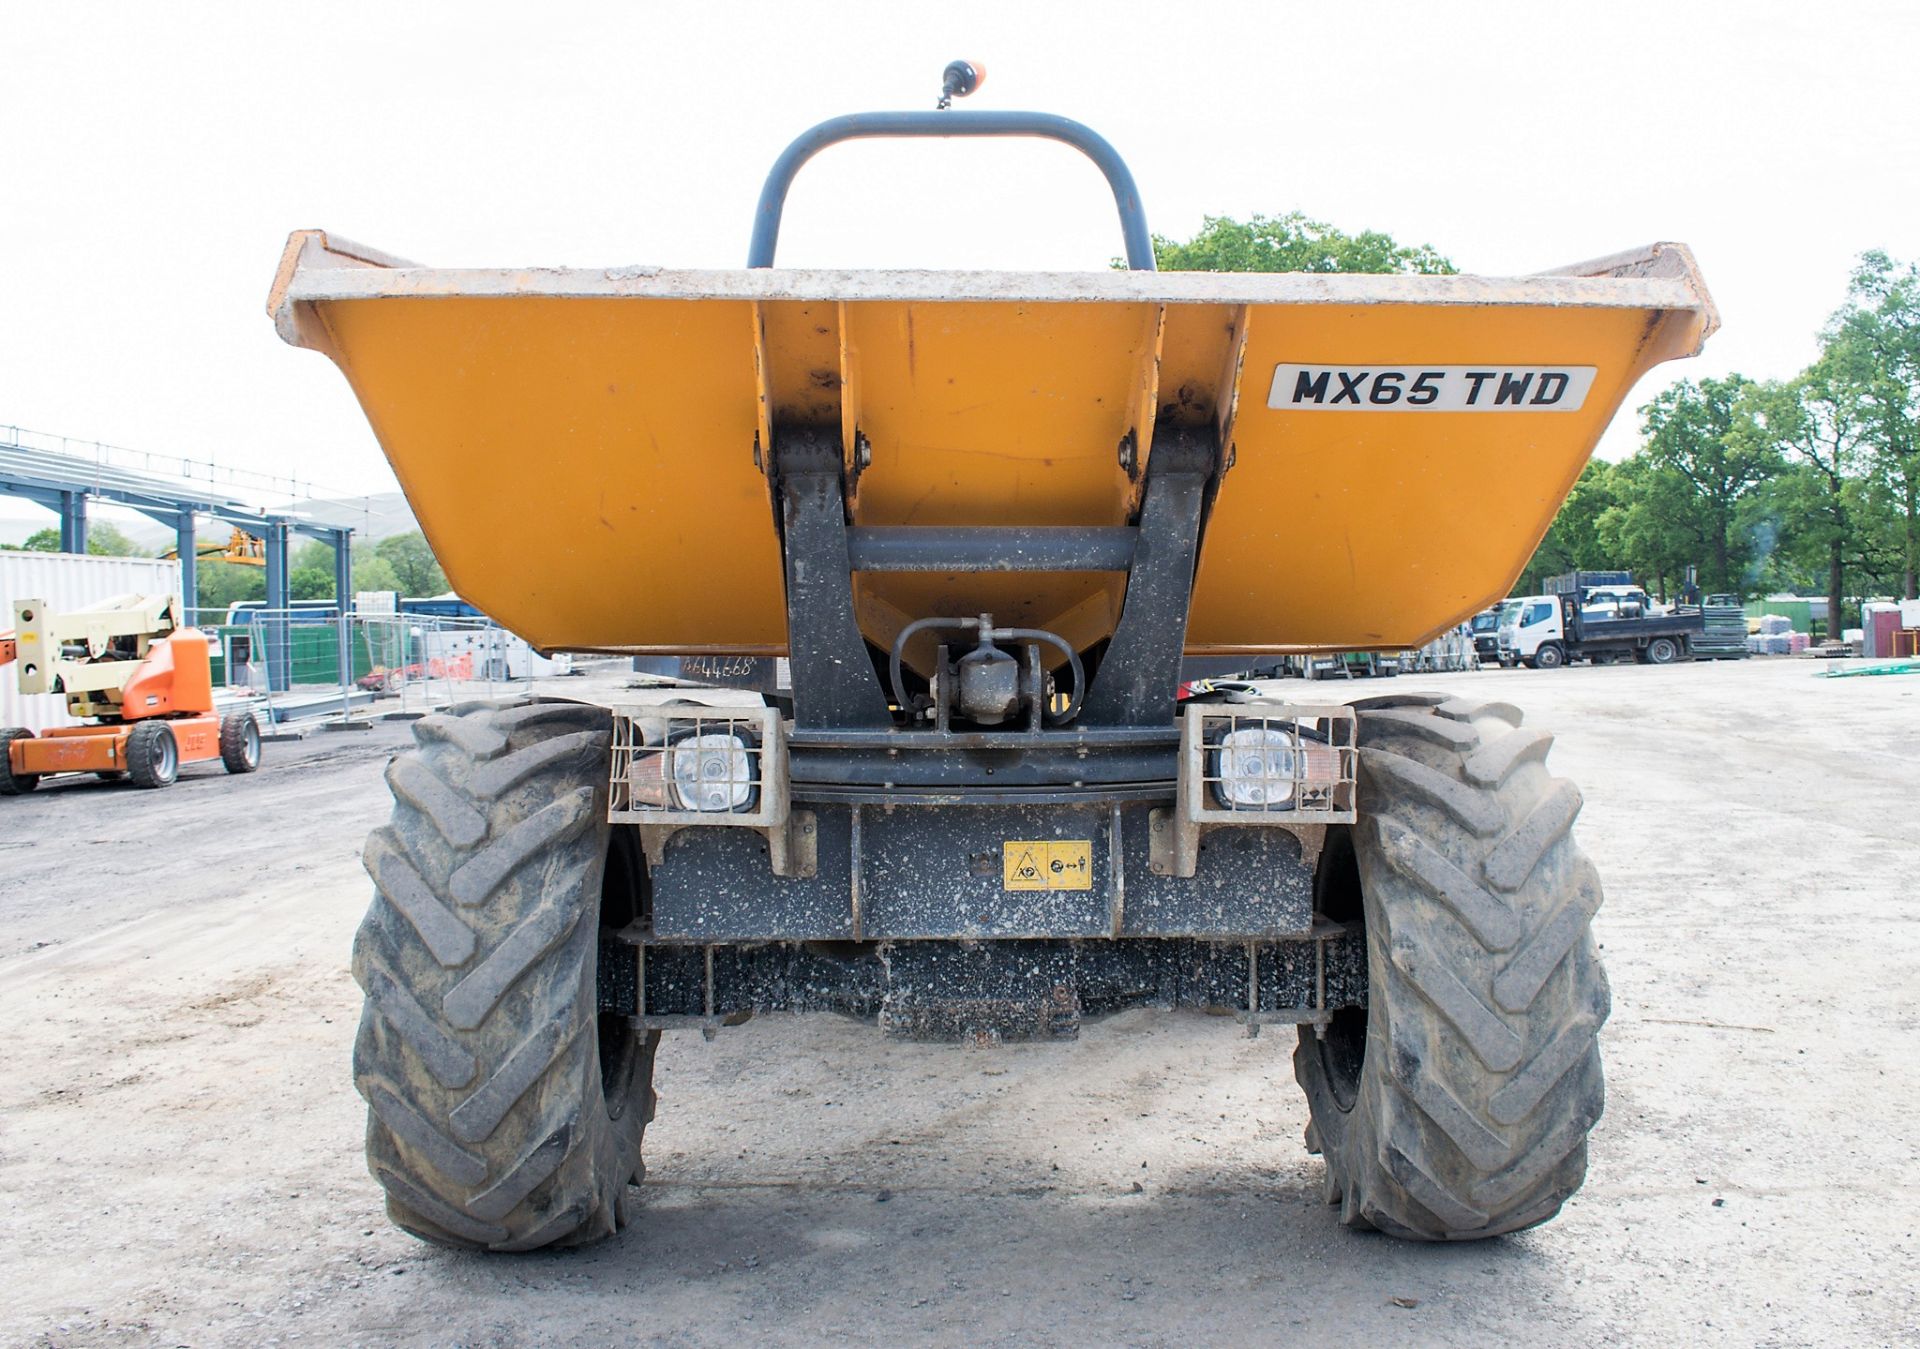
(180, 1152)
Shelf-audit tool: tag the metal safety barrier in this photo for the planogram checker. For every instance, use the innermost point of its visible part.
(320, 666)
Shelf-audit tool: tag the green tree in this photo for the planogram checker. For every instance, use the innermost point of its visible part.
(1290, 243)
(310, 571)
(413, 563)
(1690, 433)
(1574, 539)
(1876, 334)
(311, 583)
(374, 573)
(1817, 423)
(311, 555)
(224, 583)
(103, 540)
(1652, 527)
(1878, 553)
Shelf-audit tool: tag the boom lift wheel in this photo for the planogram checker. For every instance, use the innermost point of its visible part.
(504, 1109)
(1457, 1104)
(239, 742)
(12, 783)
(153, 758)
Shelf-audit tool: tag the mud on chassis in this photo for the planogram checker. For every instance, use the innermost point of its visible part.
(987, 853)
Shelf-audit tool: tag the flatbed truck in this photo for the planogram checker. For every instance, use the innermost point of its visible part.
(1547, 631)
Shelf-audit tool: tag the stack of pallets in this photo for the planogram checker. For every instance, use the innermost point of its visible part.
(1726, 634)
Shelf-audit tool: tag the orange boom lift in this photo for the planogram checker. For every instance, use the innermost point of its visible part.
(142, 682)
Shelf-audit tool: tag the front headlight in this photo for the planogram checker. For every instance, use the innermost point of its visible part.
(712, 772)
(1253, 768)
(709, 771)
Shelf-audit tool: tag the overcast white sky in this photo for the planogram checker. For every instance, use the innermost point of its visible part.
(154, 157)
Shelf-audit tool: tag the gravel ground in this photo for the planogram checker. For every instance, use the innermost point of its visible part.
(180, 1153)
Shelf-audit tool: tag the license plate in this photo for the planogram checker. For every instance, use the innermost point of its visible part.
(1431, 388)
(1046, 864)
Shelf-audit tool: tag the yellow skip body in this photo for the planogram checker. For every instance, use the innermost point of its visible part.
(1377, 490)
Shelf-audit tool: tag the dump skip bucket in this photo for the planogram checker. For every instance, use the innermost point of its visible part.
(589, 450)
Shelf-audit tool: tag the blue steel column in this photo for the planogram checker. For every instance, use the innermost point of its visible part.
(342, 541)
(279, 600)
(184, 544)
(73, 522)
(343, 599)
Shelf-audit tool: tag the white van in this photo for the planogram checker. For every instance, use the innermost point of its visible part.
(1527, 622)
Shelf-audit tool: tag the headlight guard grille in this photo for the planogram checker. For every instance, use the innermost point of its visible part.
(667, 757)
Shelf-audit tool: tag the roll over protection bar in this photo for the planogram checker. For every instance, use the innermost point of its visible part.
(887, 125)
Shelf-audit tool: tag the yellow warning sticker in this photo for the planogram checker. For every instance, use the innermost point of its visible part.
(1046, 864)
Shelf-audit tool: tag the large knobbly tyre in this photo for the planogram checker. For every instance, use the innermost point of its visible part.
(12, 783)
(239, 742)
(153, 757)
(1457, 1105)
(504, 1111)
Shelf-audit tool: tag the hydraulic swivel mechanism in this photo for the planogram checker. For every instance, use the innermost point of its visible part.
(987, 685)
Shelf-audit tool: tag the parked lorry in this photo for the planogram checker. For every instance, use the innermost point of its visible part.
(984, 515)
(1485, 629)
(1597, 622)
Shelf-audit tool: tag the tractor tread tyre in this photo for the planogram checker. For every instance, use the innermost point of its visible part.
(153, 757)
(491, 1121)
(1467, 1114)
(12, 783)
(239, 742)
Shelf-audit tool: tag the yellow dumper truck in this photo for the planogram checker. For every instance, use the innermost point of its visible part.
(984, 515)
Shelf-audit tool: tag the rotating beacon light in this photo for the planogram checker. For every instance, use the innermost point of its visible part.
(959, 79)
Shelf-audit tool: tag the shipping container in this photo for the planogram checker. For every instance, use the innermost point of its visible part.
(67, 581)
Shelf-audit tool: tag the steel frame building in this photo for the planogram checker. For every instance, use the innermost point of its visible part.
(65, 484)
